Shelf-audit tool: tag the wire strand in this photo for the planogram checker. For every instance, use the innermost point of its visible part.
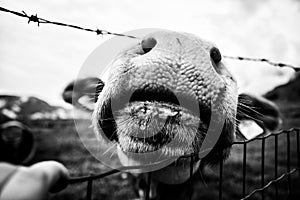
(38, 20)
(276, 64)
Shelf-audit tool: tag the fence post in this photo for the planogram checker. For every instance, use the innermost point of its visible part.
(148, 186)
(276, 166)
(298, 152)
(89, 189)
(262, 167)
(190, 179)
(244, 168)
(288, 161)
(221, 177)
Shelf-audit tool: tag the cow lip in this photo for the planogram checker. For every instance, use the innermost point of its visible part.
(151, 123)
(161, 94)
(158, 94)
(108, 124)
(162, 129)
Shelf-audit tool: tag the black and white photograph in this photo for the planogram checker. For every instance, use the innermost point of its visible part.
(149, 100)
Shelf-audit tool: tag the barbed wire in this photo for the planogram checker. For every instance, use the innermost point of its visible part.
(276, 64)
(38, 20)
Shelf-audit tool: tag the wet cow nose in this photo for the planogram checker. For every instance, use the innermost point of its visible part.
(148, 44)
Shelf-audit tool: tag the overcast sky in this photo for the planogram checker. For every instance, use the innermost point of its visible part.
(40, 61)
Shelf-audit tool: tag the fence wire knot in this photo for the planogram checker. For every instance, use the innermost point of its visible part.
(99, 32)
(32, 18)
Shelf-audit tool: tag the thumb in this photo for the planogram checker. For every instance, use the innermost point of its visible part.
(56, 175)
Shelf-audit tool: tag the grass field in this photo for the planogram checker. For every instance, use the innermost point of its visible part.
(58, 140)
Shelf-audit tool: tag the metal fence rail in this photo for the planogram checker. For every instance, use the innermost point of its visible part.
(263, 185)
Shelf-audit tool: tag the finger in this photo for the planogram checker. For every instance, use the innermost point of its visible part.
(6, 172)
(56, 175)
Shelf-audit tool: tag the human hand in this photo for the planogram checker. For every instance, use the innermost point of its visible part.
(32, 183)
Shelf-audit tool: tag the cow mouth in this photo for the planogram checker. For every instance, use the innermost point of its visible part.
(152, 118)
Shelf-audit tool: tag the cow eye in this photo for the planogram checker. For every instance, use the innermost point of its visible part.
(215, 55)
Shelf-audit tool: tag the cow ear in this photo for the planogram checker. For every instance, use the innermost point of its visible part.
(256, 112)
(83, 93)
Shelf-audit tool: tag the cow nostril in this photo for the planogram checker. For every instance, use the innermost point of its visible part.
(148, 44)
